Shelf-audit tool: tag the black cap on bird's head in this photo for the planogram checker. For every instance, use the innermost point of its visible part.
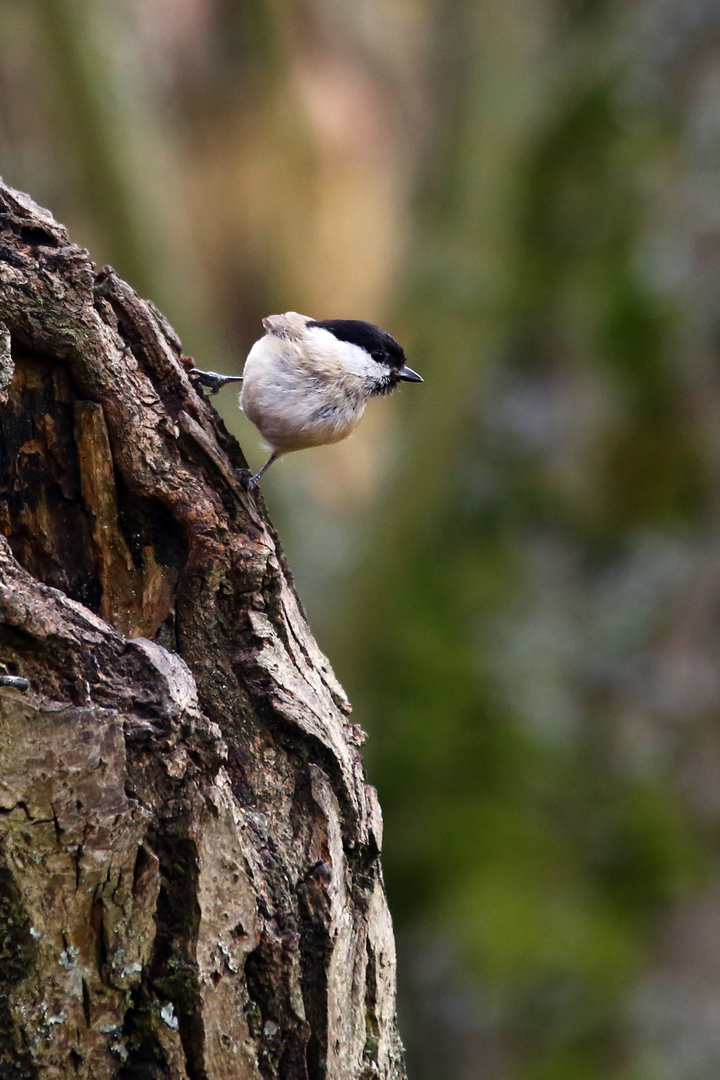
(380, 345)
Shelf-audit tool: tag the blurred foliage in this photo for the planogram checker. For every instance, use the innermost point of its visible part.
(515, 567)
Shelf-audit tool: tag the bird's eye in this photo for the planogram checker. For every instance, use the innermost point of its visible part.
(379, 356)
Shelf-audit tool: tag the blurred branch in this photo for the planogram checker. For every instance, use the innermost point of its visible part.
(83, 76)
(132, 184)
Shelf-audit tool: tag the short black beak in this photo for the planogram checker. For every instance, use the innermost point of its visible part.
(408, 375)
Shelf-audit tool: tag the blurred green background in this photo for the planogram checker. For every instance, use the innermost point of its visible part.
(515, 568)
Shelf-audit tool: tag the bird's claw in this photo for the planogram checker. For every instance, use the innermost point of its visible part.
(213, 380)
(247, 480)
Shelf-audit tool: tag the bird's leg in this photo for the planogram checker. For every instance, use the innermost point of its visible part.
(253, 481)
(213, 380)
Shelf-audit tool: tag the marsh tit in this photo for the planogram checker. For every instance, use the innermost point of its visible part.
(306, 383)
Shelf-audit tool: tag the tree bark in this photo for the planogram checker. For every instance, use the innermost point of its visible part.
(190, 882)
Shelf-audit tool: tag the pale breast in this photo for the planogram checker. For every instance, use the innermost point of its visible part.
(294, 403)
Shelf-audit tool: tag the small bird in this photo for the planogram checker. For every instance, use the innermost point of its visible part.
(307, 383)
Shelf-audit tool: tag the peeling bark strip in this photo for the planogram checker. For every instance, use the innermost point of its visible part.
(190, 883)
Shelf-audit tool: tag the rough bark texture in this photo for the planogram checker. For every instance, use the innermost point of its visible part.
(190, 884)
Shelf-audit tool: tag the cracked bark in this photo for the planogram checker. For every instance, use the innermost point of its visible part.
(190, 884)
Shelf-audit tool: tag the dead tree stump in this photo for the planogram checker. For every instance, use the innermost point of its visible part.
(190, 882)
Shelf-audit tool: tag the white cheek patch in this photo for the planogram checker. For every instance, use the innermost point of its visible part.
(358, 362)
(349, 358)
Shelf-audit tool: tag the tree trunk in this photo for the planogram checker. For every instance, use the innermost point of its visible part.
(190, 884)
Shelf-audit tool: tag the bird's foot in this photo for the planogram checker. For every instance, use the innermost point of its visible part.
(247, 480)
(213, 380)
(251, 483)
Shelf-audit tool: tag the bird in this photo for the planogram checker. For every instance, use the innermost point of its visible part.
(307, 382)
